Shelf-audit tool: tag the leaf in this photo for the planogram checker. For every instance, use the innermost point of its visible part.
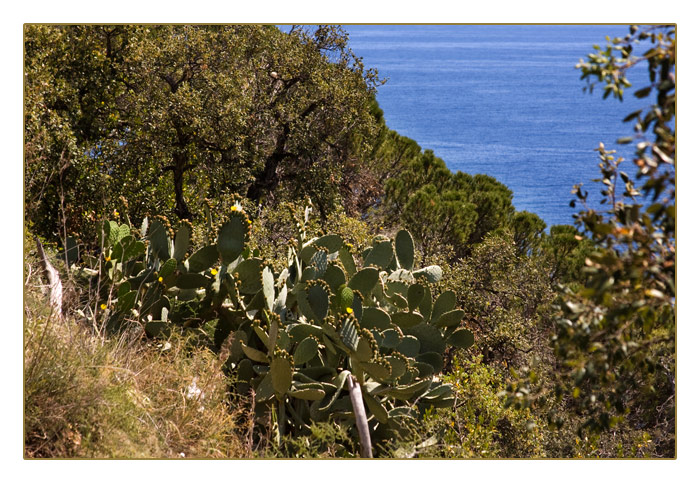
(450, 319)
(305, 351)
(445, 302)
(232, 237)
(254, 354)
(364, 280)
(404, 249)
(461, 338)
(281, 371)
(202, 259)
(432, 273)
(182, 242)
(406, 319)
(380, 255)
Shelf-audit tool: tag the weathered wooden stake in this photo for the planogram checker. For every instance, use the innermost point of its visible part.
(55, 285)
(360, 417)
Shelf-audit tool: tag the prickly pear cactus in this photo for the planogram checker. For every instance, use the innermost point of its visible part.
(295, 336)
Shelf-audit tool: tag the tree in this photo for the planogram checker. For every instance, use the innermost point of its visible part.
(616, 333)
(225, 109)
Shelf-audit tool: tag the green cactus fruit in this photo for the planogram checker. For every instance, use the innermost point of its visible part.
(268, 287)
(444, 303)
(282, 371)
(167, 268)
(364, 280)
(191, 280)
(232, 237)
(415, 295)
(349, 333)
(432, 273)
(182, 242)
(376, 408)
(429, 337)
(348, 261)
(461, 338)
(432, 358)
(390, 339)
(450, 319)
(202, 259)
(375, 318)
(345, 298)
(404, 249)
(409, 346)
(248, 272)
(334, 276)
(306, 350)
(380, 255)
(406, 320)
(160, 241)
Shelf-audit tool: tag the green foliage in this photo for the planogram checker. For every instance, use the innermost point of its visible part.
(463, 208)
(368, 327)
(478, 425)
(616, 333)
(112, 111)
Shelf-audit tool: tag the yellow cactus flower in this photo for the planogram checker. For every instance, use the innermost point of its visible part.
(115, 213)
(107, 258)
(160, 279)
(214, 271)
(103, 306)
(349, 310)
(234, 208)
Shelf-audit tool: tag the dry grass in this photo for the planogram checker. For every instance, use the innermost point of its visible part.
(91, 396)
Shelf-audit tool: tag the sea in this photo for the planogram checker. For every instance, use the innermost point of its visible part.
(503, 100)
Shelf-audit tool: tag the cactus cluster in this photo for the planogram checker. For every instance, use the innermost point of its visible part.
(295, 336)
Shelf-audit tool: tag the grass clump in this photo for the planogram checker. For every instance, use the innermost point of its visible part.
(87, 395)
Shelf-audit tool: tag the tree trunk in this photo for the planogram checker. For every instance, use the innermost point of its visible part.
(178, 168)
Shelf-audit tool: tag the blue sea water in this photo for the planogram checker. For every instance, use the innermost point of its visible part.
(502, 100)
